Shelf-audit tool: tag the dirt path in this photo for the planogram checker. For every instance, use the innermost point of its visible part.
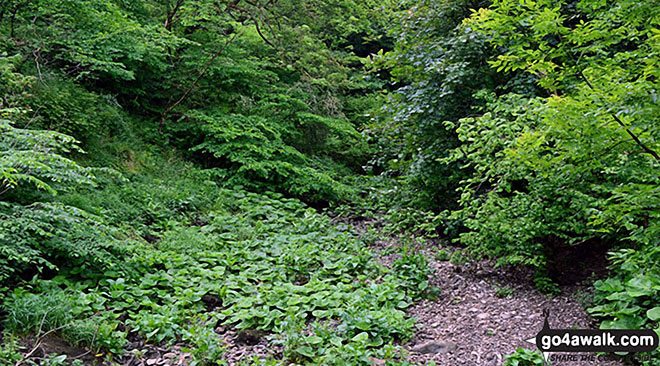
(475, 324)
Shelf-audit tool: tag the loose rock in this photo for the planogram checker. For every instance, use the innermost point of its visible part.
(434, 347)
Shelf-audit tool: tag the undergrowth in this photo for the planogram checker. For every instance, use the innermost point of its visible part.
(271, 263)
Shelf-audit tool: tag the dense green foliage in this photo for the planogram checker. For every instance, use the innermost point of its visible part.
(524, 357)
(127, 241)
(438, 65)
(568, 160)
(37, 233)
(235, 62)
(588, 153)
(531, 127)
(272, 263)
(155, 154)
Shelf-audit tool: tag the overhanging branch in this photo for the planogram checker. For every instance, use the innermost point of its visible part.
(635, 138)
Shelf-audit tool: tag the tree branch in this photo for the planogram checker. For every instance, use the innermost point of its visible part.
(256, 24)
(185, 94)
(634, 137)
(170, 15)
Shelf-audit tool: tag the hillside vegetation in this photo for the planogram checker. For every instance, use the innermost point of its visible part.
(174, 169)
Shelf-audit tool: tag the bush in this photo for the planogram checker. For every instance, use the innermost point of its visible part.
(631, 298)
(69, 108)
(72, 314)
(254, 154)
(36, 235)
(49, 236)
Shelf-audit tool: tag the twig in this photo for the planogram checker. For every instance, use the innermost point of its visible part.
(185, 94)
(41, 339)
(6, 189)
(256, 25)
(43, 318)
(603, 152)
(36, 61)
(91, 344)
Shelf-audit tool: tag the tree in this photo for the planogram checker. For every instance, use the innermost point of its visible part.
(580, 165)
(437, 67)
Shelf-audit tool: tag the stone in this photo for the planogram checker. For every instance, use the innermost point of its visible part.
(483, 316)
(434, 347)
(152, 361)
(249, 337)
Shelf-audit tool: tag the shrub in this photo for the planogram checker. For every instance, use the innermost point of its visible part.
(254, 154)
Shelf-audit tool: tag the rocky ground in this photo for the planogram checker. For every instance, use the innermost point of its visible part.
(484, 313)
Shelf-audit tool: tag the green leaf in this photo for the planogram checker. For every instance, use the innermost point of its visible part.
(306, 351)
(336, 341)
(363, 325)
(314, 339)
(376, 341)
(654, 313)
(360, 337)
(622, 323)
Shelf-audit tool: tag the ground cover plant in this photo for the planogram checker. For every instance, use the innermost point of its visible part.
(173, 170)
(271, 264)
